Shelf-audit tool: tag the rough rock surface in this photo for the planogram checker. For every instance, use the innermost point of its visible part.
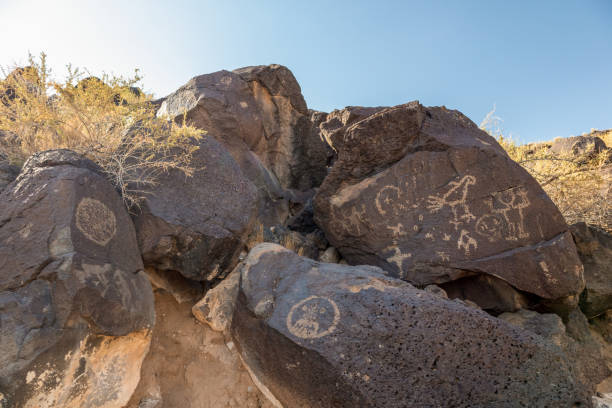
(327, 335)
(595, 250)
(75, 307)
(8, 173)
(259, 114)
(426, 195)
(332, 124)
(488, 292)
(191, 366)
(216, 308)
(196, 225)
(575, 340)
(578, 145)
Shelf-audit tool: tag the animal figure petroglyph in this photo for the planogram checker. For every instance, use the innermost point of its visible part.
(307, 318)
(455, 198)
(466, 242)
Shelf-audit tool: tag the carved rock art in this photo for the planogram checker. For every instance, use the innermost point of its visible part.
(313, 317)
(422, 182)
(455, 198)
(390, 335)
(96, 221)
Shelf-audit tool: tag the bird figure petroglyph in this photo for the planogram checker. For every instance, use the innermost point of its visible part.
(455, 198)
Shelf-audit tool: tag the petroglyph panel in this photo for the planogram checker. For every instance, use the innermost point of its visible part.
(313, 317)
(96, 221)
(455, 198)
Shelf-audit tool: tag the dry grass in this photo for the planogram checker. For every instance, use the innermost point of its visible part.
(580, 186)
(107, 119)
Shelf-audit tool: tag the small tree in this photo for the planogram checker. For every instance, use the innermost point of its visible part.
(107, 119)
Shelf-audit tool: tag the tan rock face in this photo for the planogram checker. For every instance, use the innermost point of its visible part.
(101, 372)
(190, 365)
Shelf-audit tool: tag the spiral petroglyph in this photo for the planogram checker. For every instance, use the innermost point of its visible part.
(96, 221)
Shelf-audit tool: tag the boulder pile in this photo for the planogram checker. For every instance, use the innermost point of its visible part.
(366, 257)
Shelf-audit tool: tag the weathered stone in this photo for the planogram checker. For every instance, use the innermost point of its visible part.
(196, 225)
(330, 255)
(293, 240)
(436, 290)
(576, 342)
(595, 250)
(585, 145)
(259, 114)
(428, 196)
(75, 307)
(217, 306)
(331, 124)
(488, 292)
(326, 335)
(191, 366)
(8, 173)
(183, 289)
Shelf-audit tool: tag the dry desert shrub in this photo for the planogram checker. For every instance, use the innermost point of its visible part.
(579, 184)
(108, 119)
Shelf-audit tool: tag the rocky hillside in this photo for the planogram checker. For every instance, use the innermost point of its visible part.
(367, 257)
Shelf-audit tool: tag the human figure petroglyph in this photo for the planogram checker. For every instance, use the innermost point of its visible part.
(455, 198)
(466, 242)
(510, 204)
(313, 317)
(397, 230)
(96, 221)
(397, 257)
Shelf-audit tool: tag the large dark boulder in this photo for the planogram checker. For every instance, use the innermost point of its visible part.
(76, 309)
(197, 225)
(429, 197)
(595, 250)
(260, 115)
(329, 335)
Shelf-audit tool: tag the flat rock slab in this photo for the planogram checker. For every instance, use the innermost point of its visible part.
(427, 196)
(75, 307)
(328, 335)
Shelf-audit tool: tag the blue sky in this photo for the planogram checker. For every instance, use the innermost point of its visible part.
(546, 65)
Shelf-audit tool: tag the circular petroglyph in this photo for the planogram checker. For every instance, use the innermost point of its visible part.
(388, 199)
(96, 221)
(490, 225)
(313, 317)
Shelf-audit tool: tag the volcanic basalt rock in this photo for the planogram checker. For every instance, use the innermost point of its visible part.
(197, 225)
(75, 307)
(328, 335)
(427, 196)
(260, 116)
(595, 250)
